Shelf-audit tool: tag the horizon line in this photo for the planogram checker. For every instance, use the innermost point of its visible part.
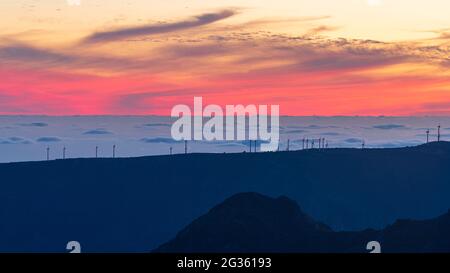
(220, 153)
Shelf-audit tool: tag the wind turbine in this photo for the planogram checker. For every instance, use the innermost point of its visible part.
(114, 151)
(428, 135)
(64, 152)
(48, 153)
(439, 133)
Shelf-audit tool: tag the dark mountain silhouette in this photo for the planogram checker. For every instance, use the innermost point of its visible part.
(136, 204)
(249, 223)
(253, 223)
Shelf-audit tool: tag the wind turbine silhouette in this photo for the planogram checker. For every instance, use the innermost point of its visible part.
(439, 133)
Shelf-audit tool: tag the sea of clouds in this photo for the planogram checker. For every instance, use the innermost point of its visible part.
(26, 138)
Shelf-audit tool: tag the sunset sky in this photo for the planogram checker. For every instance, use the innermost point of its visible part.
(134, 57)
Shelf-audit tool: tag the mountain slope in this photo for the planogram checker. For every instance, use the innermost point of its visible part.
(135, 204)
(252, 223)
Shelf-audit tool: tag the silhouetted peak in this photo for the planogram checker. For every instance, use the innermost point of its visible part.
(244, 220)
(253, 199)
(257, 205)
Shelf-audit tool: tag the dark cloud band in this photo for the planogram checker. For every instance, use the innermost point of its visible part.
(124, 33)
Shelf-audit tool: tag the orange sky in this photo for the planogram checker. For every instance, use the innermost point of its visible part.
(323, 57)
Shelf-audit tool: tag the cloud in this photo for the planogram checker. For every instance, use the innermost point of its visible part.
(322, 28)
(48, 139)
(256, 51)
(34, 124)
(425, 128)
(28, 56)
(258, 23)
(130, 32)
(223, 143)
(195, 51)
(22, 52)
(159, 140)
(232, 144)
(443, 34)
(156, 125)
(296, 131)
(330, 134)
(350, 58)
(258, 142)
(314, 127)
(353, 140)
(14, 140)
(433, 135)
(223, 65)
(390, 126)
(97, 132)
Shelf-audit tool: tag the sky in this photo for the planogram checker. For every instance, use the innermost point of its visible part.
(140, 57)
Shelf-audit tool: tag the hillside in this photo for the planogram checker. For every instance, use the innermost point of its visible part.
(252, 223)
(136, 204)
